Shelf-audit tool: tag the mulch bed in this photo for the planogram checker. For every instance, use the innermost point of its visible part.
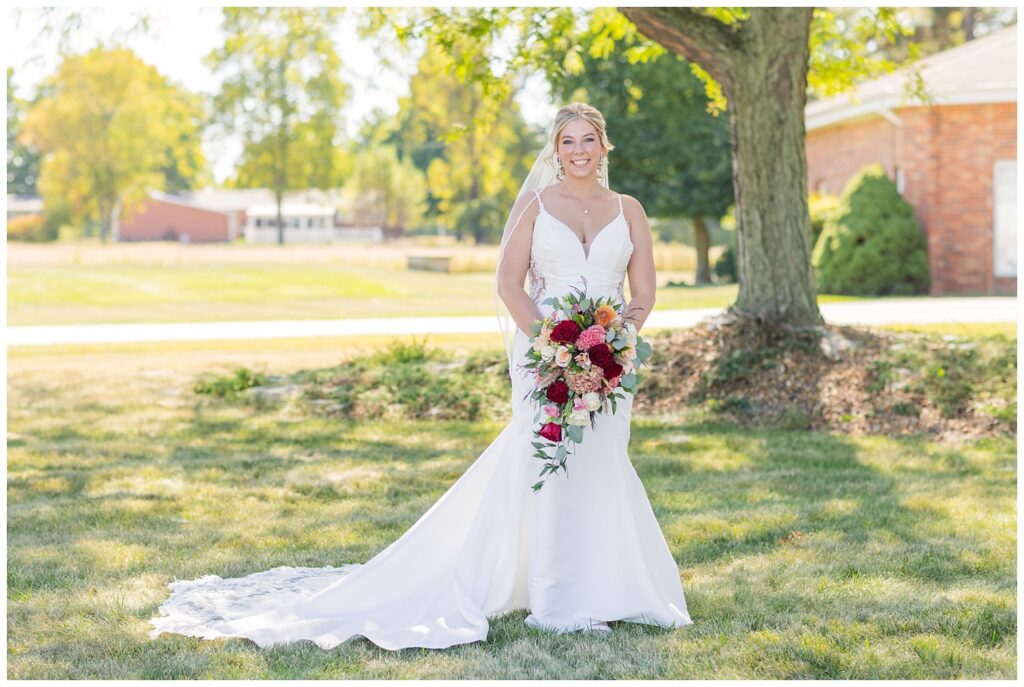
(828, 382)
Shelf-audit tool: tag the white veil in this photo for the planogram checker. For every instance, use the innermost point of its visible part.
(543, 173)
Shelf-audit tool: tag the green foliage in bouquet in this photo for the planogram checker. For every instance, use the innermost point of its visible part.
(593, 377)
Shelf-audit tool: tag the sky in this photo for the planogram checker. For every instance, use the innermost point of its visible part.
(179, 38)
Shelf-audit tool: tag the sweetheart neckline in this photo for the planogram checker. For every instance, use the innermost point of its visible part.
(576, 239)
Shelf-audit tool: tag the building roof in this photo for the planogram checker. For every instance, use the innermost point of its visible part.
(289, 209)
(983, 70)
(218, 199)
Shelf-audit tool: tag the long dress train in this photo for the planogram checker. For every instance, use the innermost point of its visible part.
(586, 548)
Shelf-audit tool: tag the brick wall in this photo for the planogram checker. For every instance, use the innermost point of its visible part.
(156, 220)
(947, 155)
(952, 190)
(837, 153)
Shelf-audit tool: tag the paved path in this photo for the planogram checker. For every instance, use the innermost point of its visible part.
(903, 310)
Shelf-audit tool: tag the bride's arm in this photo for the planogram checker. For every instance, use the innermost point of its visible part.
(516, 262)
(643, 281)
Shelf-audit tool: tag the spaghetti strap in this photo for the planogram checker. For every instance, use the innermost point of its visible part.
(620, 202)
(537, 193)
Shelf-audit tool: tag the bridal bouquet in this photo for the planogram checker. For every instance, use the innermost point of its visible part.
(585, 358)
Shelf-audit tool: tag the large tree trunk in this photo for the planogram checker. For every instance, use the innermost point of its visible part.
(702, 242)
(761, 64)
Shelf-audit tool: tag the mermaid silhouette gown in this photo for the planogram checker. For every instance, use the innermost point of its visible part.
(585, 548)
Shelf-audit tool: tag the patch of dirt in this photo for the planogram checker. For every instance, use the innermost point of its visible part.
(846, 379)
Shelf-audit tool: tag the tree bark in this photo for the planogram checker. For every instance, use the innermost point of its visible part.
(761, 64)
(702, 241)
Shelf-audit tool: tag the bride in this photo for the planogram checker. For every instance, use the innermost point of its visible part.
(583, 551)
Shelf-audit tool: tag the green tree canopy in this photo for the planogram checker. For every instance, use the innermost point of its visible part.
(22, 161)
(385, 190)
(471, 146)
(671, 153)
(110, 127)
(282, 92)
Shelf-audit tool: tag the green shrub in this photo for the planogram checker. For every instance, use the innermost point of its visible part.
(822, 207)
(411, 381)
(31, 228)
(726, 268)
(229, 386)
(481, 218)
(872, 244)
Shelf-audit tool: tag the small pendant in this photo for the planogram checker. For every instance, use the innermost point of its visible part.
(586, 212)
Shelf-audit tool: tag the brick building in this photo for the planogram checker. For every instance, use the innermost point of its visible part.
(197, 216)
(954, 160)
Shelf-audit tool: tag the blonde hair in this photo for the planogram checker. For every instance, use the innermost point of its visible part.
(588, 113)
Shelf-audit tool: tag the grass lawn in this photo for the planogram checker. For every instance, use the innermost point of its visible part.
(802, 555)
(60, 284)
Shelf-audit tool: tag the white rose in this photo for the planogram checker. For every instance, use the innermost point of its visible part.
(547, 353)
(579, 417)
(540, 342)
(629, 352)
(562, 356)
(592, 399)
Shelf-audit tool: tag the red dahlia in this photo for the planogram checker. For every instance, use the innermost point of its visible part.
(558, 392)
(601, 356)
(613, 370)
(565, 332)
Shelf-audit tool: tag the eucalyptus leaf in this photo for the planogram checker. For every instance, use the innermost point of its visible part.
(576, 433)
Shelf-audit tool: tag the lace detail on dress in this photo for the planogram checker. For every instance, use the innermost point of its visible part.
(195, 607)
(620, 294)
(537, 282)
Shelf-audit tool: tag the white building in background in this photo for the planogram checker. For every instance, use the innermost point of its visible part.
(23, 206)
(303, 223)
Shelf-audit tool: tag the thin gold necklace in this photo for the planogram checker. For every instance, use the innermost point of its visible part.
(586, 208)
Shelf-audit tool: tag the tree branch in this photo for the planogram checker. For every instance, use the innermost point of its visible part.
(697, 37)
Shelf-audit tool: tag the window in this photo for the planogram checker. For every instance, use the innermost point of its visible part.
(1004, 204)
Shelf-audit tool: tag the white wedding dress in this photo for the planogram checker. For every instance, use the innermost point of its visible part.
(584, 549)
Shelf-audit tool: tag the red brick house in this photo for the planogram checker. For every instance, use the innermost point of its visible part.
(954, 160)
(198, 216)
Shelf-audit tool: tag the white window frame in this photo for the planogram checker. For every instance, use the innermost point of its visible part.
(1004, 219)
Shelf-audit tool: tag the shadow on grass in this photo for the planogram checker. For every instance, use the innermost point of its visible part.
(226, 495)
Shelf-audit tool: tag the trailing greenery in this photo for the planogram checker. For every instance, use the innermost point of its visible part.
(871, 245)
